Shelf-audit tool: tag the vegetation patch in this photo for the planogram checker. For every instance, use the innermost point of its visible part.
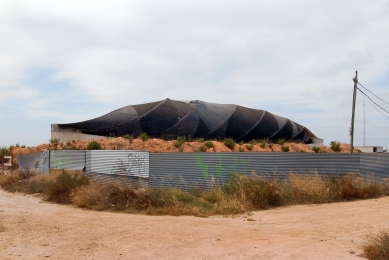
(143, 137)
(335, 146)
(230, 143)
(316, 149)
(93, 145)
(241, 193)
(249, 147)
(209, 144)
(376, 246)
(285, 149)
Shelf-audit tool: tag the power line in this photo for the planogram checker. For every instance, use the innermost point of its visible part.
(373, 94)
(373, 105)
(372, 100)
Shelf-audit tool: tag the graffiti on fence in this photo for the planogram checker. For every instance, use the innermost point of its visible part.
(236, 165)
(132, 165)
(59, 159)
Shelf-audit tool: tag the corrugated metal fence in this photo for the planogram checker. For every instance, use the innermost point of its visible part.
(188, 170)
(37, 162)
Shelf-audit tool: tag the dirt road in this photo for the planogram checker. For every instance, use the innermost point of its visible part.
(32, 229)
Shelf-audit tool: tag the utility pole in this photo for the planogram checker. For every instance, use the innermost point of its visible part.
(353, 115)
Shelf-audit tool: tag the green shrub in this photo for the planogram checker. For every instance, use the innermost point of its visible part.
(263, 144)
(129, 137)
(285, 149)
(203, 148)
(200, 140)
(316, 149)
(93, 145)
(241, 149)
(270, 146)
(230, 143)
(359, 151)
(54, 141)
(281, 141)
(181, 149)
(143, 137)
(209, 144)
(335, 146)
(241, 143)
(4, 151)
(249, 147)
(179, 142)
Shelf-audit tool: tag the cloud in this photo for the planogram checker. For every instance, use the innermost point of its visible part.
(74, 60)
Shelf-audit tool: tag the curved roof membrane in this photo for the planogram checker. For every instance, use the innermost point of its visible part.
(169, 118)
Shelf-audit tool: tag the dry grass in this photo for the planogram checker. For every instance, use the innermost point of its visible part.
(377, 246)
(241, 193)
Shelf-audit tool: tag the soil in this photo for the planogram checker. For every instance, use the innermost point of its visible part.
(33, 229)
(158, 146)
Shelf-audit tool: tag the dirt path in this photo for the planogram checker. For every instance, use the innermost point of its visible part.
(32, 229)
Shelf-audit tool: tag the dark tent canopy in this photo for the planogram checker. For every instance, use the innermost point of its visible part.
(168, 119)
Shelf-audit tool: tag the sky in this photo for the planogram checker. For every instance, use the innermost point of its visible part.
(70, 61)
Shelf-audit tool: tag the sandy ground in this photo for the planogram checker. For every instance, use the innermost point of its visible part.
(33, 229)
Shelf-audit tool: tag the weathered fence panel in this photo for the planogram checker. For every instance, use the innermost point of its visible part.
(118, 162)
(188, 170)
(37, 162)
(67, 159)
(376, 164)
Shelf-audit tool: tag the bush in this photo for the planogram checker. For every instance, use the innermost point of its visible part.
(15, 180)
(249, 147)
(377, 245)
(181, 149)
(254, 191)
(230, 143)
(93, 145)
(179, 142)
(316, 149)
(110, 196)
(281, 141)
(143, 137)
(270, 146)
(209, 144)
(54, 141)
(285, 149)
(263, 144)
(60, 188)
(335, 146)
(200, 140)
(202, 148)
(129, 137)
(4, 151)
(241, 149)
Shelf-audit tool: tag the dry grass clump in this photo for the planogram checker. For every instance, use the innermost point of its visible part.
(15, 180)
(377, 246)
(239, 194)
(307, 188)
(252, 191)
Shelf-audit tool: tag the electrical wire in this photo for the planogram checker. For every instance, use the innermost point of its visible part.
(373, 94)
(372, 104)
(372, 100)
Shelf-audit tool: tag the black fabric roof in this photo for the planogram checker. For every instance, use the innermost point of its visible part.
(168, 119)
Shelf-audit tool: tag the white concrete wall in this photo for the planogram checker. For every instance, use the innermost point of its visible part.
(370, 149)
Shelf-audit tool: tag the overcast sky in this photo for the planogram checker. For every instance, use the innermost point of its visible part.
(70, 61)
